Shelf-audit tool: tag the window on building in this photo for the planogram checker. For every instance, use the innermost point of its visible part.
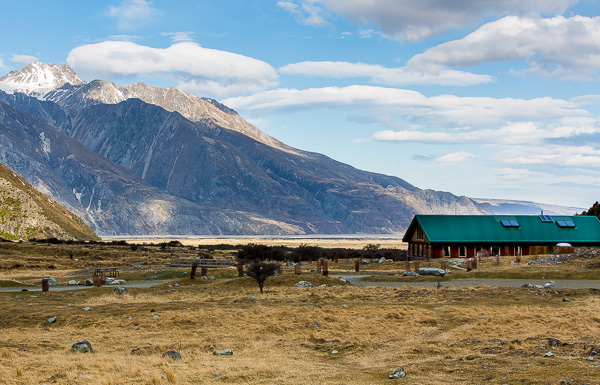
(478, 251)
(420, 234)
(462, 251)
(495, 251)
(446, 251)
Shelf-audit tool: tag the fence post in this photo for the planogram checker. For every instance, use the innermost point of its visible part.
(443, 265)
(194, 268)
(203, 271)
(417, 267)
(240, 269)
(407, 265)
(319, 264)
(45, 284)
(325, 268)
(298, 269)
(280, 269)
(356, 265)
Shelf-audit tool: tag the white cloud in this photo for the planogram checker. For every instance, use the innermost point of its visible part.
(196, 69)
(23, 59)
(559, 46)
(178, 37)
(131, 13)
(385, 76)
(415, 20)
(455, 157)
(309, 12)
(443, 111)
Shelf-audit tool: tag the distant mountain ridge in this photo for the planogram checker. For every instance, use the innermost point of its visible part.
(25, 213)
(199, 157)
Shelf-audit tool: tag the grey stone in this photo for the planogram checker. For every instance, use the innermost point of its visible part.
(381, 260)
(89, 282)
(410, 274)
(52, 281)
(74, 282)
(334, 352)
(304, 284)
(87, 308)
(590, 358)
(82, 347)
(432, 271)
(252, 298)
(155, 317)
(565, 299)
(398, 373)
(172, 354)
(52, 319)
(226, 352)
(120, 290)
(304, 300)
(551, 285)
(549, 354)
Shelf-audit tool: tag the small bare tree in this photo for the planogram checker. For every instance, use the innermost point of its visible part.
(260, 271)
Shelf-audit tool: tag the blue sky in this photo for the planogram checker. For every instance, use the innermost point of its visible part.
(483, 98)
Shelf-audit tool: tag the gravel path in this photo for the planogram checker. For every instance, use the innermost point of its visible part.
(561, 283)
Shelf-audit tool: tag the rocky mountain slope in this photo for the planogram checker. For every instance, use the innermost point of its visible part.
(25, 213)
(203, 156)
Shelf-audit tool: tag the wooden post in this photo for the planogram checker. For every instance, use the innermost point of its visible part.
(417, 267)
(407, 265)
(203, 271)
(443, 265)
(469, 265)
(298, 269)
(357, 265)
(325, 268)
(319, 264)
(194, 268)
(240, 269)
(474, 263)
(280, 269)
(45, 284)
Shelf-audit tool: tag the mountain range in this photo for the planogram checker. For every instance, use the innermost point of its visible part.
(144, 160)
(25, 213)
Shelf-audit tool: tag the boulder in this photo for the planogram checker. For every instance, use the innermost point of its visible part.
(381, 260)
(410, 274)
(74, 282)
(52, 319)
(82, 347)
(120, 290)
(89, 282)
(304, 284)
(551, 285)
(52, 281)
(432, 271)
(398, 373)
(172, 354)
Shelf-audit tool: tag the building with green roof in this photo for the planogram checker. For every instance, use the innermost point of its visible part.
(439, 236)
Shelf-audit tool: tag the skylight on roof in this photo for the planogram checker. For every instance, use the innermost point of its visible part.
(509, 223)
(546, 218)
(565, 223)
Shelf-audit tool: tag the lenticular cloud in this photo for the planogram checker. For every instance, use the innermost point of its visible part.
(210, 71)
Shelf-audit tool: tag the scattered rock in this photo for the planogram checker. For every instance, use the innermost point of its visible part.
(87, 308)
(398, 373)
(304, 300)
(550, 285)
(74, 282)
(553, 342)
(410, 274)
(89, 282)
(252, 298)
(226, 352)
(304, 284)
(432, 271)
(120, 290)
(177, 285)
(155, 317)
(334, 352)
(116, 282)
(381, 260)
(590, 358)
(82, 347)
(52, 281)
(172, 354)
(549, 354)
(565, 299)
(52, 319)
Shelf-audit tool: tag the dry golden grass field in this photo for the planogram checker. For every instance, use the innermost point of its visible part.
(331, 334)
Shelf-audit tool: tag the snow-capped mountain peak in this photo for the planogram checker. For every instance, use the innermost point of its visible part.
(39, 78)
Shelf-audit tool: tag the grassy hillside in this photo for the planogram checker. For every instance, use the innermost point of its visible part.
(25, 213)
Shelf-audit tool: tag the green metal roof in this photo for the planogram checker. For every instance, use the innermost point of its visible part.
(489, 229)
